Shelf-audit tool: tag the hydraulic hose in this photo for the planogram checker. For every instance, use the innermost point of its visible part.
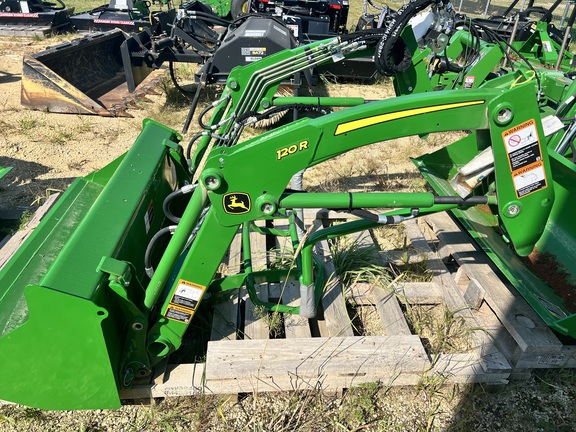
(176, 246)
(392, 54)
(253, 116)
(191, 144)
(178, 192)
(148, 254)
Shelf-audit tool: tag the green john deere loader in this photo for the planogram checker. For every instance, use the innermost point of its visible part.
(107, 285)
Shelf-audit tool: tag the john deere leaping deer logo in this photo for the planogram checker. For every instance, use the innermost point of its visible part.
(236, 203)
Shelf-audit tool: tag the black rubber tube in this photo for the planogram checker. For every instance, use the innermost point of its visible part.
(392, 55)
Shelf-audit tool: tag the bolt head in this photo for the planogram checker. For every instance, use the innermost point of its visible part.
(513, 210)
(268, 208)
(212, 182)
(504, 115)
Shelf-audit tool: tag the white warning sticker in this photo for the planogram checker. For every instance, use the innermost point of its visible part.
(187, 295)
(178, 314)
(183, 304)
(469, 82)
(529, 180)
(525, 158)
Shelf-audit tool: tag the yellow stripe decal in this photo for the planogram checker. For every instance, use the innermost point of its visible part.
(382, 118)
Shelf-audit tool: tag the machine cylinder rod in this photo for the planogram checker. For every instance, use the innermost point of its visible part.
(319, 101)
(357, 200)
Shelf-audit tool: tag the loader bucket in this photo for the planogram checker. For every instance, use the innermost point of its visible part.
(84, 76)
(547, 278)
(63, 325)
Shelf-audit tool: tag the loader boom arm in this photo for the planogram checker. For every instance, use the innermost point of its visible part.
(257, 171)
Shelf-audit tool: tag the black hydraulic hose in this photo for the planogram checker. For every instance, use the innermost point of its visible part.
(469, 59)
(191, 143)
(168, 200)
(374, 6)
(547, 17)
(166, 205)
(369, 36)
(202, 114)
(392, 55)
(150, 248)
(518, 53)
(178, 87)
(275, 110)
(567, 102)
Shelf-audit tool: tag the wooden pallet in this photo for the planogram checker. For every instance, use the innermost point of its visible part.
(527, 342)
(507, 338)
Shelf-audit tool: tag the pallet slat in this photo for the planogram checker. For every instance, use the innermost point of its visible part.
(534, 340)
(390, 313)
(225, 315)
(255, 327)
(335, 314)
(271, 365)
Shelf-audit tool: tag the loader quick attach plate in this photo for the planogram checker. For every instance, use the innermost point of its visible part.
(84, 76)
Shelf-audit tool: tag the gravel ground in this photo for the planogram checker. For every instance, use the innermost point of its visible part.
(543, 403)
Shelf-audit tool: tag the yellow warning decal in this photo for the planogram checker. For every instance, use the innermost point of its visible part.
(176, 313)
(383, 118)
(184, 300)
(525, 158)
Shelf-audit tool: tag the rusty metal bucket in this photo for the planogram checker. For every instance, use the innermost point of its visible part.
(84, 76)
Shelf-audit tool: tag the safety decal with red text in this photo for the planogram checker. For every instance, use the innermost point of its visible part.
(525, 158)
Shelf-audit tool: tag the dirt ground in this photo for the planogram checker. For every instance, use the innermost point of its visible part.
(46, 150)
